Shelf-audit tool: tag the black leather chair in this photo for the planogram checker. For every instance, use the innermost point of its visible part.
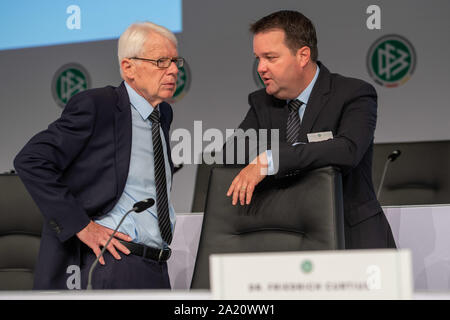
(20, 234)
(201, 186)
(419, 176)
(295, 214)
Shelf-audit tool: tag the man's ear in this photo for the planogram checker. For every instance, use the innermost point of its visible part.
(128, 68)
(303, 56)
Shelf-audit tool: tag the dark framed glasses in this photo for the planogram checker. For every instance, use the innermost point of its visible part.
(163, 63)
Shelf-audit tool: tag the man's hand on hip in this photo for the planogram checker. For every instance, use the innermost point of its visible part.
(95, 235)
(245, 182)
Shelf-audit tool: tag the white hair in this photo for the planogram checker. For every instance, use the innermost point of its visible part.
(132, 41)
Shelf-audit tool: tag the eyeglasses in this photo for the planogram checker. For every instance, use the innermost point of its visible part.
(164, 63)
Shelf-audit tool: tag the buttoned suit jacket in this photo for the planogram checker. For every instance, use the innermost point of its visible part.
(76, 170)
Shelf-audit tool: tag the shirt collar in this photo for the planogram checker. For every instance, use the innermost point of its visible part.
(138, 102)
(304, 96)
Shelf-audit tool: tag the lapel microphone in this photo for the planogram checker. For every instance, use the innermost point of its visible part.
(137, 207)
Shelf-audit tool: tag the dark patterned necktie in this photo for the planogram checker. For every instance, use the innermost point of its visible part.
(293, 123)
(160, 180)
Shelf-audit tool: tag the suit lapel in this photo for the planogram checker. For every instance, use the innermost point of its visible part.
(122, 131)
(317, 100)
(278, 109)
(278, 114)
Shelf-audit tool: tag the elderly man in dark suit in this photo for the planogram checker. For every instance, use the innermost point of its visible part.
(323, 119)
(108, 150)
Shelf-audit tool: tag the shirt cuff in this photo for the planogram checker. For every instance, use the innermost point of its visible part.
(270, 168)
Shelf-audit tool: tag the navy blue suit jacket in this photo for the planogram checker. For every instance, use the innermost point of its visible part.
(76, 170)
(348, 108)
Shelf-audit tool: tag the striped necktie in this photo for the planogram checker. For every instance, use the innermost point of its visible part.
(293, 123)
(160, 180)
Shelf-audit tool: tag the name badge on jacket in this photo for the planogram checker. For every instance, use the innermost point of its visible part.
(320, 136)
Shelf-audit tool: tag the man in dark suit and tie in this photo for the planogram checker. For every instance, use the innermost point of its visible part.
(107, 151)
(323, 119)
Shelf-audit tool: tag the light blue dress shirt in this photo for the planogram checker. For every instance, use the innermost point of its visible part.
(141, 227)
(303, 97)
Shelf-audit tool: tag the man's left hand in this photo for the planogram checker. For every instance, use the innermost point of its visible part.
(245, 182)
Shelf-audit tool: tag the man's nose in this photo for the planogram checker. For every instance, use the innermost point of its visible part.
(261, 67)
(173, 69)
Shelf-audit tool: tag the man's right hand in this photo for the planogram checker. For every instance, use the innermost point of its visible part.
(95, 235)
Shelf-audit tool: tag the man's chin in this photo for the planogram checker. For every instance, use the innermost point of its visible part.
(168, 94)
(271, 91)
(279, 94)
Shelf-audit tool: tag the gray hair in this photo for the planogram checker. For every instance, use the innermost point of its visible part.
(132, 41)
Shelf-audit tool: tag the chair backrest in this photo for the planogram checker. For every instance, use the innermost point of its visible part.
(201, 186)
(420, 175)
(296, 214)
(20, 234)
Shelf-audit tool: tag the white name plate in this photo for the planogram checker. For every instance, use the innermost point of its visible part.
(347, 274)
